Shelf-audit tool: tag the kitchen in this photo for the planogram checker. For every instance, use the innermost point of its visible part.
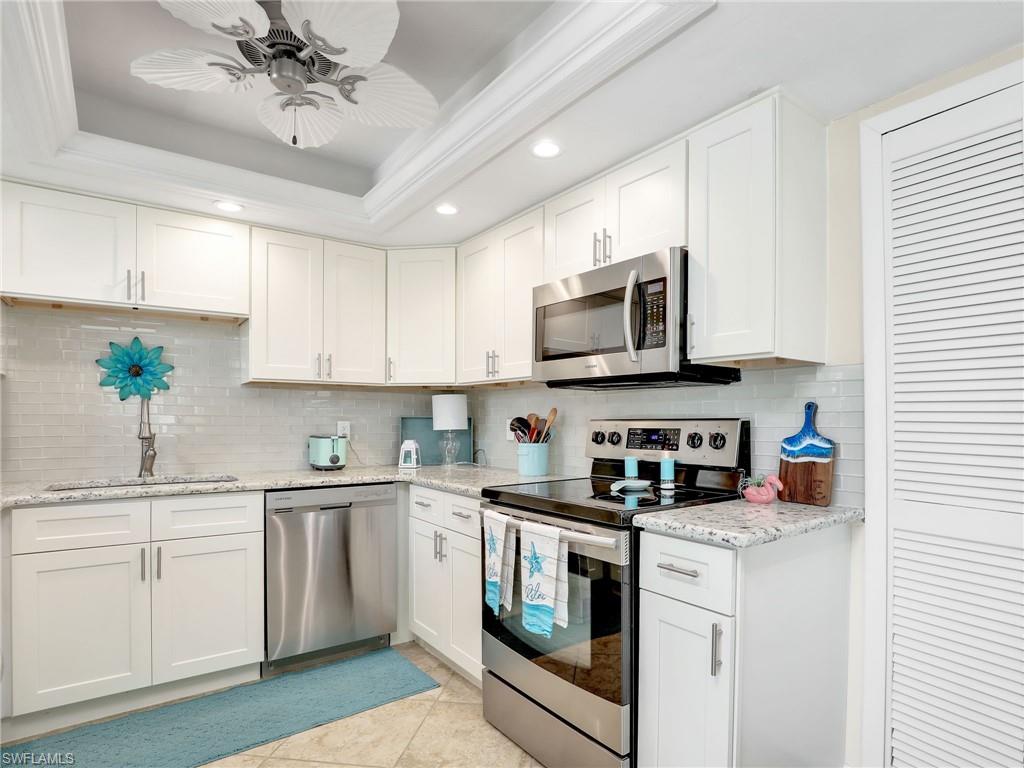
(517, 263)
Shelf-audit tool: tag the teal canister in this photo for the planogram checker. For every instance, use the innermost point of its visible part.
(328, 451)
(533, 458)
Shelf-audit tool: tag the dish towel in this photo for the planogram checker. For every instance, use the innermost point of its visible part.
(508, 568)
(544, 577)
(495, 530)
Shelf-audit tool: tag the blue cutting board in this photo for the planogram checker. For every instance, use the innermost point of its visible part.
(421, 429)
(805, 464)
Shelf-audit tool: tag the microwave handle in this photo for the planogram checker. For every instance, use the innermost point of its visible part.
(627, 316)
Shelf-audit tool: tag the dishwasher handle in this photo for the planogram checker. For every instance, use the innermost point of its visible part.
(312, 509)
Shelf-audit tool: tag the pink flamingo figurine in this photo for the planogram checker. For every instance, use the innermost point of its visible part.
(762, 490)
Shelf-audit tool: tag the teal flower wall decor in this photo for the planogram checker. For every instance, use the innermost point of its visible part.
(134, 370)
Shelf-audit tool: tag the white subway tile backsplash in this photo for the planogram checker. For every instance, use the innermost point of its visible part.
(59, 424)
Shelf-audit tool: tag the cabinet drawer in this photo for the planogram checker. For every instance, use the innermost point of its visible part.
(75, 526)
(186, 517)
(426, 505)
(698, 574)
(462, 514)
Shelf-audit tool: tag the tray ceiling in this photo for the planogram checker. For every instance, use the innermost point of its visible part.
(442, 44)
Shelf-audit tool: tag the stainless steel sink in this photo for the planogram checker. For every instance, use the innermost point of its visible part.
(120, 482)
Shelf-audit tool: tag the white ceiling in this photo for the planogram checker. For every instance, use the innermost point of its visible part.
(443, 44)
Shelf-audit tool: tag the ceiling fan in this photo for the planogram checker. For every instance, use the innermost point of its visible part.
(335, 44)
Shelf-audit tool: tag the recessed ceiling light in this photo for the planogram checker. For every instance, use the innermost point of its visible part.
(546, 148)
(447, 209)
(227, 206)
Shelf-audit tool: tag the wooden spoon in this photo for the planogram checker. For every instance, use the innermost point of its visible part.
(552, 415)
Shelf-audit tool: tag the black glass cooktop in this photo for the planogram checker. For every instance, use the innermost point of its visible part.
(592, 498)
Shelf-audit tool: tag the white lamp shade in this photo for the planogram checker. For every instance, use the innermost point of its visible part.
(450, 412)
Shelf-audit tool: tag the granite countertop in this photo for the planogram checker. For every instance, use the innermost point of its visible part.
(462, 479)
(741, 524)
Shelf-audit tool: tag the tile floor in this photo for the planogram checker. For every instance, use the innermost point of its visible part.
(444, 726)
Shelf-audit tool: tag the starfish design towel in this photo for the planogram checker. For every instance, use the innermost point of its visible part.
(495, 529)
(544, 573)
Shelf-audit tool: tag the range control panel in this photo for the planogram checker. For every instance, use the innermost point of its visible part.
(705, 442)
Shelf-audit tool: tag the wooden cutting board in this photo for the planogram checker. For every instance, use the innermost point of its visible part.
(805, 464)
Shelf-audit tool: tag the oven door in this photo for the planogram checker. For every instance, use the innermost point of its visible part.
(582, 672)
(618, 320)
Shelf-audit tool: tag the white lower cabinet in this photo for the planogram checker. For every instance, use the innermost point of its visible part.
(207, 605)
(445, 577)
(684, 707)
(80, 625)
(91, 621)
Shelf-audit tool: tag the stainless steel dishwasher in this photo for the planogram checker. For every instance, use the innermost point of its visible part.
(331, 567)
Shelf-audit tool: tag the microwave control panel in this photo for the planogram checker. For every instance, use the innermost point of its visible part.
(655, 313)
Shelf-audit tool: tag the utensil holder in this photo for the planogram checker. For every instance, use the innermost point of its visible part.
(533, 458)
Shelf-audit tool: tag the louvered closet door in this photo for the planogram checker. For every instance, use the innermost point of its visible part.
(955, 485)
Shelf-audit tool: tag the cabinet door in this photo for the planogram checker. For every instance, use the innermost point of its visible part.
(355, 315)
(572, 231)
(646, 204)
(193, 263)
(207, 605)
(65, 246)
(479, 309)
(79, 625)
(429, 588)
(461, 557)
(685, 715)
(732, 235)
(521, 243)
(287, 318)
(421, 316)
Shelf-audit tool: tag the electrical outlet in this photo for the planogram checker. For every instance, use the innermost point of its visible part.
(344, 429)
(508, 430)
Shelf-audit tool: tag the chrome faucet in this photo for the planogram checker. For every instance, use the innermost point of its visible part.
(148, 442)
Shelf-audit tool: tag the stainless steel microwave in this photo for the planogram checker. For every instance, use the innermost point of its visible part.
(622, 326)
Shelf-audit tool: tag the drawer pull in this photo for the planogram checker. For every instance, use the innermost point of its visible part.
(463, 515)
(424, 504)
(716, 636)
(693, 573)
(143, 563)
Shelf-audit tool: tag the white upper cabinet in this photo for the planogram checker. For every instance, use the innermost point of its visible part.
(757, 265)
(65, 246)
(479, 307)
(355, 313)
(421, 316)
(635, 209)
(496, 275)
(287, 315)
(572, 231)
(192, 262)
(646, 204)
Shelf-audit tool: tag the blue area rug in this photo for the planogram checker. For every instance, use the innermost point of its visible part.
(194, 732)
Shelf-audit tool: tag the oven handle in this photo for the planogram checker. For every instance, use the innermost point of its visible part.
(627, 315)
(573, 537)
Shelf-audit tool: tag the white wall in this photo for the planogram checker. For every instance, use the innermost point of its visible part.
(58, 424)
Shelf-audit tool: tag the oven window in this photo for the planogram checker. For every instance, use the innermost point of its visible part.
(589, 325)
(589, 652)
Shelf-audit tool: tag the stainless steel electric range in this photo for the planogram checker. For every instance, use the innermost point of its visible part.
(568, 699)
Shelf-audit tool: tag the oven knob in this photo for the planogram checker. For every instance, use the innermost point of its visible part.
(614, 438)
(694, 440)
(716, 440)
(598, 437)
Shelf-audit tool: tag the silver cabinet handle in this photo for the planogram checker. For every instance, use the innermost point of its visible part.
(606, 245)
(627, 315)
(716, 663)
(318, 355)
(488, 357)
(330, 365)
(424, 504)
(692, 573)
(143, 563)
(129, 291)
(435, 545)
(463, 515)
(597, 261)
(494, 363)
(440, 550)
(159, 562)
(143, 285)
(689, 332)
(391, 369)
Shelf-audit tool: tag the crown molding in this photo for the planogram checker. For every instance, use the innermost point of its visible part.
(579, 51)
